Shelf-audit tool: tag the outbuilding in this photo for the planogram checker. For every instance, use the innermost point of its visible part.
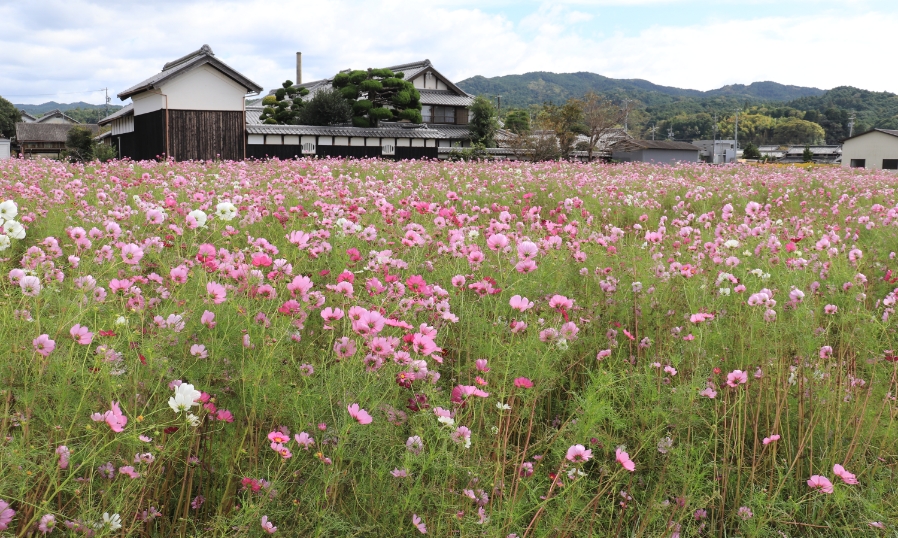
(193, 109)
(876, 149)
(654, 151)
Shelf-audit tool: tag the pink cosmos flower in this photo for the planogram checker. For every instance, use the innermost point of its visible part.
(47, 523)
(279, 437)
(578, 454)
(480, 364)
(82, 335)
(268, 526)
(63, 452)
(523, 383)
(114, 417)
(418, 523)
(736, 378)
(208, 319)
(624, 459)
(830, 309)
(602, 354)
(30, 285)
(129, 470)
(772, 438)
(44, 345)
(304, 440)
(216, 292)
(520, 303)
(701, 317)
(820, 482)
(461, 392)
(6, 515)
(360, 415)
(842, 473)
(131, 254)
(497, 242)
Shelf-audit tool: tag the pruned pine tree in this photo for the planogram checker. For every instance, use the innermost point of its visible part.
(379, 95)
(284, 107)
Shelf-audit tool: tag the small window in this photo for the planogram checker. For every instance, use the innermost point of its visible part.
(890, 164)
(858, 163)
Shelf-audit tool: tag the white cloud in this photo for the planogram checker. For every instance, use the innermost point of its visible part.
(44, 51)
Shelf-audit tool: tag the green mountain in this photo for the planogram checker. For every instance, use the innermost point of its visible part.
(538, 87)
(81, 111)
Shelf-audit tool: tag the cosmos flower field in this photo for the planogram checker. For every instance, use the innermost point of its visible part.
(378, 349)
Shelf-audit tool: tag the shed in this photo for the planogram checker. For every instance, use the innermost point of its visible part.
(876, 149)
(192, 109)
(46, 139)
(654, 151)
(4, 148)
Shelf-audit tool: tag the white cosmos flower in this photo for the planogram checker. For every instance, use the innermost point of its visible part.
(114, 522)
(199, 216)
(4, 242)
(193, 419)
(731, 243)
(185, 397)
(226, 211)
(14, 230)
(8, 210)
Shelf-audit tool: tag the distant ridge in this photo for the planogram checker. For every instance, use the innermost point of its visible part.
(541, 86)
(43, 108)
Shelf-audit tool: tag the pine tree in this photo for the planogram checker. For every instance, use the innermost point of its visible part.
(379, 95)
(807, 155)
(284, 107)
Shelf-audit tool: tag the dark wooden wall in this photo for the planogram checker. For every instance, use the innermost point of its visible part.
(149, 136)
(124, 145)
(260, 151)
(206, 135)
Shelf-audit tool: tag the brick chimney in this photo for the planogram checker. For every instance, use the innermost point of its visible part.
(298, 68)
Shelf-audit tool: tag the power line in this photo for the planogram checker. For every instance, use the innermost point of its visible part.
(58, 93)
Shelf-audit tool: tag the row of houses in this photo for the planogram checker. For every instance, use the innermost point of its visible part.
(199, 108)
(44, 136)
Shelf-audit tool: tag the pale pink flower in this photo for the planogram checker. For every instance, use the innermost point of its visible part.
(842, 473)
(43, 345)
(736, 378)
(82, 335)
(520, 303)
(602, 354)
(131, 254)
(268, 526)
(30, 285)
(480, 364)
(820, 482)
(418, 523)
(360, 415)
(624, 459)
(63, 452)
(114, 417)
(208, 319)
(216, 292)
(304, 440)
(830, 309)
(578, 454)
(771, 439)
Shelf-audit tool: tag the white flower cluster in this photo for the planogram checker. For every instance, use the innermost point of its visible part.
(226, 211)
(9, 227)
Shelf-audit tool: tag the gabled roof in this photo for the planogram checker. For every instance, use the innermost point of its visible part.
(892, 132)
(124, 111)
(26, 117)
(185, 64)
(635, 145)
(409, 71)
(444, 98)
(55, 113)
(48, 132)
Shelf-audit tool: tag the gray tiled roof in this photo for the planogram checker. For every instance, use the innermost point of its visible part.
(48, 132)
(312, 130)
(634, 144)
(124, 111)
(55, 112)
(444, 98)
(185, 64)
(26, 116)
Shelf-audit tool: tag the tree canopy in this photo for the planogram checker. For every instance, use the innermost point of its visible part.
(484, 122)
(326, 107)
(9, 116)
(379, 95)
(284, 107)
(79, 144)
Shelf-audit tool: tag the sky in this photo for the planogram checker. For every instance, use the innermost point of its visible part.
(67, 50)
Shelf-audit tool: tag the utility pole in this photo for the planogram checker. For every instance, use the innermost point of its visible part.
(106, 105)
(670, 133)
(714, 142)
(626, 113)
(499, 105)
(851, 119)
(653, 131)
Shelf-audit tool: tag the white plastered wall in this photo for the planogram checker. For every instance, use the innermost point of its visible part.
(872, 147)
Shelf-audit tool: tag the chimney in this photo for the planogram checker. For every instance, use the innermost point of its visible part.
(298, 68)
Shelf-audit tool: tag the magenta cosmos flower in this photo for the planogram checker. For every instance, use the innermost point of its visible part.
(359, 414)
(737, 377)
(523, 383)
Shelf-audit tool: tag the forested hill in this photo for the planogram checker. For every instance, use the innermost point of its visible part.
(770, 113)
(81, 111)
(538, 87)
